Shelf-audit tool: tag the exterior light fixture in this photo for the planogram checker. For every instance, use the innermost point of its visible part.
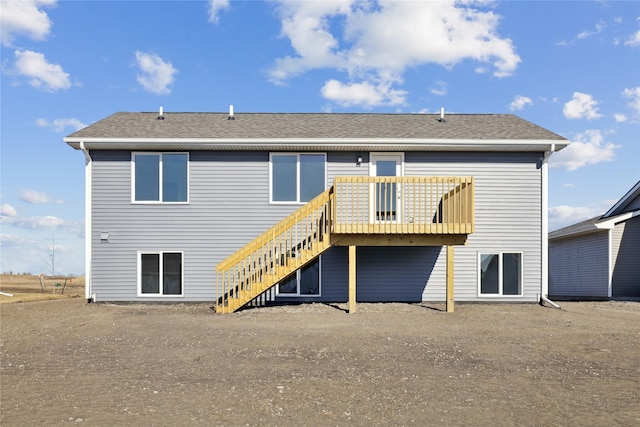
(359, 160)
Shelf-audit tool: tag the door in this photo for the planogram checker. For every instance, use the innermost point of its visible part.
(385, 196)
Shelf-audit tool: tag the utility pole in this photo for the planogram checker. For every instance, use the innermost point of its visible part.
(53, 254)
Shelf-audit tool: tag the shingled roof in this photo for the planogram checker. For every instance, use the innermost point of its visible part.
(216, 128)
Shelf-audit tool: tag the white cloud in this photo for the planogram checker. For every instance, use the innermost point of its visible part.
(365, 94)
(38, 222)
(588, 148)
(600, 26)
(7, 210)
(633, 40)
(215, 7)
(37, 198)
(33, 254)
(155, 74)
(24, 18)
(376, 42)
(519, 102)
(634, 95)
(42, 74)
(620, 118)
(439, 88)
(581, 106)
(59, 125)
(584, 34)
(565, 215)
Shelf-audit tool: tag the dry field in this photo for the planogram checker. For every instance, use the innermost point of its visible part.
(26, 288)
(68, 362)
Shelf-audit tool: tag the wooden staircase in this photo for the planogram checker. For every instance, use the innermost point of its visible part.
(355, 211)
(271, 257)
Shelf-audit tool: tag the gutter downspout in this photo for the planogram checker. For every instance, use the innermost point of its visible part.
(87, 223)
(544, 285)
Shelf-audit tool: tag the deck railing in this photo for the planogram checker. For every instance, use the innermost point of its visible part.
(354, 205)
(403, 205)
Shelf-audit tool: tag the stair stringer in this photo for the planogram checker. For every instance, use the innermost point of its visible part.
(264, 262)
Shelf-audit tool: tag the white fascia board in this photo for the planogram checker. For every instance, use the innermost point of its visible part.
(610, 223)
(602, 225)
(338, 143)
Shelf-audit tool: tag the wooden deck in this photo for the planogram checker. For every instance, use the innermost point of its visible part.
(355, 211)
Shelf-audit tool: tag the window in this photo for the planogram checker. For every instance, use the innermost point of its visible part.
(160, 177)
(304, 282)
(160, 273)
(297, 178)
(500, 274)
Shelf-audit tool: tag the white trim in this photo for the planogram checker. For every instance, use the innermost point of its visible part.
(139, 270)
(297, 154)
(297, 273)
(319, 144)
(611, 222)
(88, 238)
(373, 169)
(544, 211)
(544, 143)
(386, 153)
(592, 227)
(609, 263)
(160, 178)
(500, 278)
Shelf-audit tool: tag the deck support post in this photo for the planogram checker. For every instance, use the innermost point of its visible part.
(352, 279)
(450, 306)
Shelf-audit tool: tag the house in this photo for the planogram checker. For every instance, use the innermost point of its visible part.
(600, 257)
(242, 208)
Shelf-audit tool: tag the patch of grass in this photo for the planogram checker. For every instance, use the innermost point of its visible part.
(27, 288)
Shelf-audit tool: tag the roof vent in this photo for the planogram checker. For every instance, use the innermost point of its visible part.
(160, 114)
(231, 113)
(441, 119)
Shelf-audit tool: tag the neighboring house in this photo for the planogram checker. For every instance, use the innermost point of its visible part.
(599, 257)
(301, 207)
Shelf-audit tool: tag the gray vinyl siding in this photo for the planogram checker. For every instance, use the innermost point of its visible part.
(394, 274)
(508, 194)
(626, 259)
(579, 266)
(229, 206)
(508, 219)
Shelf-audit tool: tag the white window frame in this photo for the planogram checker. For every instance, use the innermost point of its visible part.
(160, 294)
(500, 282)
(297, 154)
(159, 201)
(298, 294)
(373, 171)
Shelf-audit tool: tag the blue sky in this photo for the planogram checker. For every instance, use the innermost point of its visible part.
(572, 67)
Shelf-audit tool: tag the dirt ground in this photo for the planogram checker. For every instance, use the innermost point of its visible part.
(69, 362)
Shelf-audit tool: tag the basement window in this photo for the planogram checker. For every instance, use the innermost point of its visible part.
(160, 273)
(296, 178)
(500, 274)
(304, 282)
